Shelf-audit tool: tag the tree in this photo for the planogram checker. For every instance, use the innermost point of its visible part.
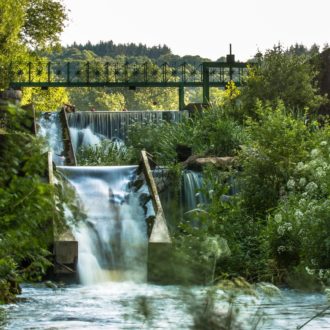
(44, 22)
(45, 100)
(281, 75)
(27, 26)
(99, 98)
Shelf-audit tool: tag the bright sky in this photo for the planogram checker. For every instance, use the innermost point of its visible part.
(200, 27)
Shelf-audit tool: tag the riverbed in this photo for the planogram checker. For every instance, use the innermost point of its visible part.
(126, 305)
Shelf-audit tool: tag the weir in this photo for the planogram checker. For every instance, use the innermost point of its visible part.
(112, 124)
(113, 242)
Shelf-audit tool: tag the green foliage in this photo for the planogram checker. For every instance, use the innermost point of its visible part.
(276, 143)
(104, 154)
(281, 75)
(225, 221)
(44, 22)
(29, 206)
(299, 228)
(27, 25)
(45, 100)
(210, 133)
(158, 139)
(26, 207)
(110, 49)
(98, 98)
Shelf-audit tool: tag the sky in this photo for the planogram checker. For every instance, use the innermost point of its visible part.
(200, 27)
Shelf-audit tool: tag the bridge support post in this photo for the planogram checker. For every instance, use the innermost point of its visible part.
(181, 97)
(206, 84)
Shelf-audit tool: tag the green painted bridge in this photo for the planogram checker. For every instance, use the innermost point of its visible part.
(44, 74)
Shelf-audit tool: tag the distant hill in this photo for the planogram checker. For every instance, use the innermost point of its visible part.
(131, 51)
(108, 48)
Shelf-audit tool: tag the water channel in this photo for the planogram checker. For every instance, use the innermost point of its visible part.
(122, 305)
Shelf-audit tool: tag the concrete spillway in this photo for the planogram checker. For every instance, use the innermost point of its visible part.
(113, 124)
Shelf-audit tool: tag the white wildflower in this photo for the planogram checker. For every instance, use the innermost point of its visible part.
(324, 188)
(311, 187)
(320, 173)
(290, 184)
(315, 152)
(298, 214)
(288, 226)
(281, 249)
(323, 143)
(310, 271)
(302, 182)
(300, 166)
(278, 217)
(281, 230)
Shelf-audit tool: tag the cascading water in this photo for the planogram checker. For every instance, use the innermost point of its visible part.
(51, 129)
(192, 194)
(113, 124)
(113, 239)
(83, 138)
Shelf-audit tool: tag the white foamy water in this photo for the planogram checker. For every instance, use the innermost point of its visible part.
(113, 239)
(50, 128)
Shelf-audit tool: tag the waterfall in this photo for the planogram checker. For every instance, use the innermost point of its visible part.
(83, 138)
(113, 239)
(50, 129)
(192, 184)
(113, 124)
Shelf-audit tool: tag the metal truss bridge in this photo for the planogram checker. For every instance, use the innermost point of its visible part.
(130, 75)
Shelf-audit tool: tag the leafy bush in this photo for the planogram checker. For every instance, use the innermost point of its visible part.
(104, 154)
(277, 141)
(299, 228)
(209, 133)
(281, 76)
(28, 207)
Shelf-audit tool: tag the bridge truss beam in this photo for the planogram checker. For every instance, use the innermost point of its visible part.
(104, 74)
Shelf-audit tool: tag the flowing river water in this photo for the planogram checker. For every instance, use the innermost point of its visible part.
(127, 305)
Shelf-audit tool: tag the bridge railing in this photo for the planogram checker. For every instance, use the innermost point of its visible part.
(44, 73)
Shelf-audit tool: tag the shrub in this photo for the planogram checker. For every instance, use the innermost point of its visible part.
(277, 141)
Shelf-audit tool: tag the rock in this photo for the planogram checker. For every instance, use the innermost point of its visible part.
(217, 161)
(144, 199)
(137, 184)
(197, 162)
(268, 289)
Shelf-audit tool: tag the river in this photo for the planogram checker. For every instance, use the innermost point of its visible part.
(125, 305)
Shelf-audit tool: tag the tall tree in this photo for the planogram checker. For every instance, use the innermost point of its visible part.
(28, 26)
(283, 76)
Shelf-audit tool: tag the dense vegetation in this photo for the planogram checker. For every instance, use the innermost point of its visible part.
(27, 202)
(275, 228)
